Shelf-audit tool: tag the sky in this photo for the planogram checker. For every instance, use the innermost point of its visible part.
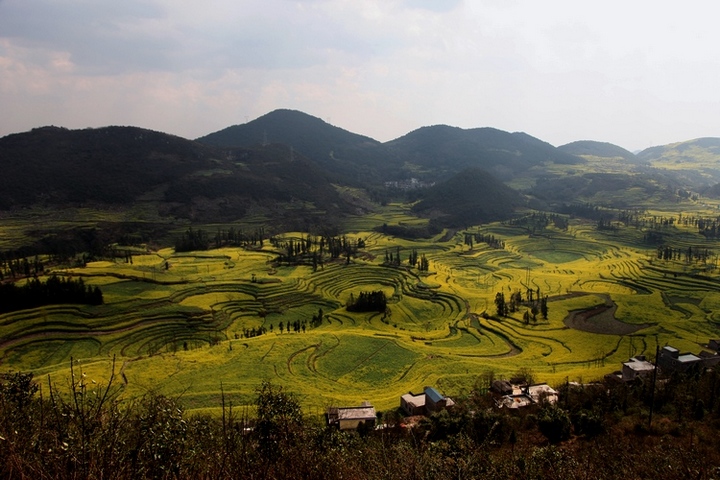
(634, 73)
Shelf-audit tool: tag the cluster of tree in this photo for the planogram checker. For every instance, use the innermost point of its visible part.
(393, 259)
(199, 239)
(602, 428)
(689, 254)
(374, 301)
(55, 290)
(255, 332)
(192, 240)
(653, 237)
(237, 238)
(606, 225)
(534, 304)
(315, 249)
(19, 267)
(421, 262)
(317, 319)
(56, 247)
(708, 229)
(410, 232)
(296, 326)
(586, 210)
(472, 238)
(536, 222)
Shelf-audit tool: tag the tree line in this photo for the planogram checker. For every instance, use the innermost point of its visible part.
(55, 290)
(472, 238)
(314, 250)
(200, 239)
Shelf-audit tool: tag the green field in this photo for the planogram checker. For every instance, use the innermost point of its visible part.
(176, 323)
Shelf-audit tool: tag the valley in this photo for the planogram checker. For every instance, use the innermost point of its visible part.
(193, 324)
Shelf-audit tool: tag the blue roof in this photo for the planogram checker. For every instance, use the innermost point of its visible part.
(433, 394)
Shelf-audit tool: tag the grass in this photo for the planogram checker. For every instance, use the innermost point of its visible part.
(178, 330)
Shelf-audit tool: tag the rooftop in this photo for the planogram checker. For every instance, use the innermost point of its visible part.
(688, 358)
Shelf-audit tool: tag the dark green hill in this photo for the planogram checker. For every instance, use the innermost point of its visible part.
(287, 188)
(119, 166)
(111, 165)
(598, 149)
(443, 151)
(470, 197)
(353, 157)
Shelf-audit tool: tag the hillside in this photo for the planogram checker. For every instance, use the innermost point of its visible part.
(353, 157)
(443, 151)
(112, 165)
(469, 198)
(589, 148)
(696, 162)
(122, 166)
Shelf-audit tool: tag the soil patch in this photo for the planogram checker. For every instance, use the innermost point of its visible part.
(601, 319)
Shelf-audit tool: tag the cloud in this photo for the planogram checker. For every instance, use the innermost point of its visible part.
(559, 70)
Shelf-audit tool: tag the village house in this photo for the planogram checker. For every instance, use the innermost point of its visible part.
(351, 418)
(518, 396)
(424, 403)
(634, 368)
(670, 360)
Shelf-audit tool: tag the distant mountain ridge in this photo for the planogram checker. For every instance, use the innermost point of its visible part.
(432, 153)
(450, 150)
(694, 162)
(598, 149)
(354, 157)
(292, 166)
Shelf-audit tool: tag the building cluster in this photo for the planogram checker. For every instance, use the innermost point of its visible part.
(669, 361)
(364, 416)
(511, 395)
(517, 395)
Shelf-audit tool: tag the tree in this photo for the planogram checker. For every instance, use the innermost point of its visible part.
(279, 418)
(554, 423)
(500, 304)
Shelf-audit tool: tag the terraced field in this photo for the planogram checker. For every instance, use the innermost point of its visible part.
(177, 323)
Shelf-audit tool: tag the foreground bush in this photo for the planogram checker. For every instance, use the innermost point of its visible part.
(90, 434)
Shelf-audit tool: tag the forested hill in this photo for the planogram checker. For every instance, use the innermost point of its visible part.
(124, 165)
(448, 150)
(470, 197)
(355, 158)
(109, 165)
(589, 148)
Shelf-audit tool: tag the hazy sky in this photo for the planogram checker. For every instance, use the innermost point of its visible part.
(635, 73)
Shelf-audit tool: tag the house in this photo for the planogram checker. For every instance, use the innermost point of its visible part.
(350, 418)
(424, 403)
(526, 395)
(670, 360)
(636, 367)
(501, 387)
(710, 360)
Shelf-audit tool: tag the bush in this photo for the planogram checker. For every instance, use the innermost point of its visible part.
(555, 424)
